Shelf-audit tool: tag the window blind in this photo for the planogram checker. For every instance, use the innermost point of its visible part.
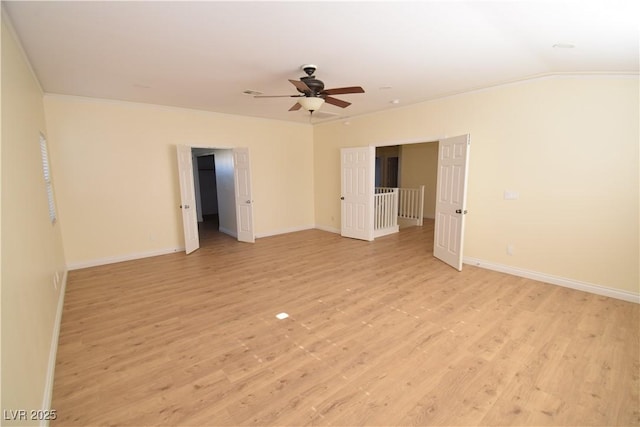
(46, 170)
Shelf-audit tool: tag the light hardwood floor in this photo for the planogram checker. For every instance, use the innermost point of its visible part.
(379, 334)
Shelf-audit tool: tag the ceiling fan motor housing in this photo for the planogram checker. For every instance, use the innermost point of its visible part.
(314, 84)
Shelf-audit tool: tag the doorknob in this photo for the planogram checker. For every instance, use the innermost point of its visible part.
(248, 202)
(342, 198)
(459, 211)
(186, 206)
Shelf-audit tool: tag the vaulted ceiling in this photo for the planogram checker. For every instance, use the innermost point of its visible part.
(205, 54)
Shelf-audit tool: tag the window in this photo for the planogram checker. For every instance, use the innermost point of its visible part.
(46, 170)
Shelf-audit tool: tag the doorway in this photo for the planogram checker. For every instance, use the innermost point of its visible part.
(418, 166)
(204, 174)
(213, 178)
(450, 204)
(223, 194)
(387, 166)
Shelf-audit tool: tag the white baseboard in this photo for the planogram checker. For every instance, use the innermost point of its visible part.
(53, 351)
(120, 258)
(554, 280)
(228, 232)
(326, 228)
(140, 255)
(284, 231)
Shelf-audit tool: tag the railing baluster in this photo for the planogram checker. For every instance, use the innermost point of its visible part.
(393, 203)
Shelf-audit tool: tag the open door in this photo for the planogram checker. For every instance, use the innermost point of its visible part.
(451, 199)
(188, 199)
(357, 187)
(244, 200)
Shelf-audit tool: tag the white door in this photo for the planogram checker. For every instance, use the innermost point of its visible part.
(357, 187)
(188, 199)
(451, 199)
(244, 200)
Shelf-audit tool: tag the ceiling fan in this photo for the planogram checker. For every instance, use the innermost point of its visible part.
(313, 94)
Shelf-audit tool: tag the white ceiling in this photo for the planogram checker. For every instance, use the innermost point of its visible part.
(204, 54)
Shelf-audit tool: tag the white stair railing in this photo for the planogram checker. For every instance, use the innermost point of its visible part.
(386, 212)
(392, 204)
(411, 204)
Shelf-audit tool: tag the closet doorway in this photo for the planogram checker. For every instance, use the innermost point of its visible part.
(215, 185)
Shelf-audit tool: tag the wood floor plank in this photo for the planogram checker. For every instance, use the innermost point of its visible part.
(378, 333)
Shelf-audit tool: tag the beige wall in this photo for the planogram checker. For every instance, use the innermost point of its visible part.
(116, 172)
(32, 250)
(418, 166)
(569, 145)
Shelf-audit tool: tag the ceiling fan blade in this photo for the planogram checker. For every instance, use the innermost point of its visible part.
(278, 96)
(336, 101)
(343, 90)
(295, 107)
(300, 85)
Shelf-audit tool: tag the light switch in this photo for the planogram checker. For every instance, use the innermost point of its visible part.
(511, 195)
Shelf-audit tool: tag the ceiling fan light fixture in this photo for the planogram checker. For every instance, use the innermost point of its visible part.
(311, 103)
